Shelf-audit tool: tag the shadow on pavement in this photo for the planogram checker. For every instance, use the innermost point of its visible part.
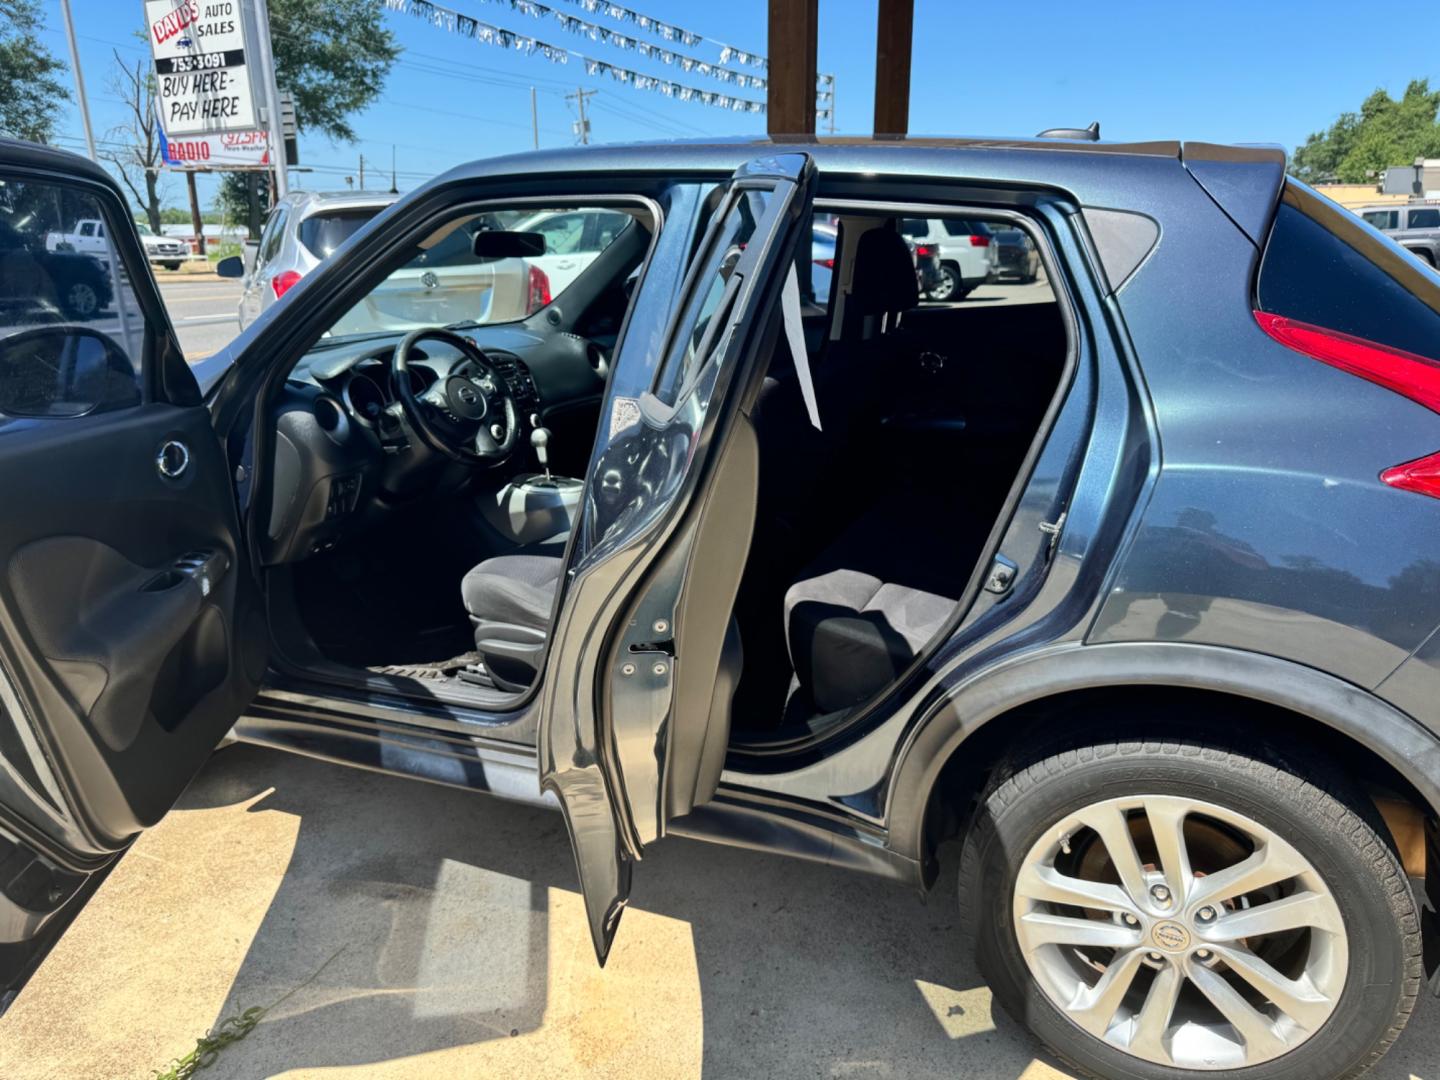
(443, 906)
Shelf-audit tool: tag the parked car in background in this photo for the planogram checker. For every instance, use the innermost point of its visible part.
(929, 270)
(965, 256)
(44, 278)
(305, 228)
(1013, 256)
(823, 238)
(300, 232)
(160, 250)
(572, 240)
(1414, 227)
(1129, 592)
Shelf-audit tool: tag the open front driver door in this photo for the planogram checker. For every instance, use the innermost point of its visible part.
(130, 632)
(637, 687)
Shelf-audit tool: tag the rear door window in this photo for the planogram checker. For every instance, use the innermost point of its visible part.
(1381, 219)
(1426, 217)
(1322, 267)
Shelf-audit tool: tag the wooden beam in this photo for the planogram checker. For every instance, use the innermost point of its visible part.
(893, 33)
(790, 80)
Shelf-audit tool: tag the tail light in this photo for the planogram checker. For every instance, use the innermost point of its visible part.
(976, 240)
(538, 292)
(283, 283)
(924, 251)
(1407, 374)
(828, 264)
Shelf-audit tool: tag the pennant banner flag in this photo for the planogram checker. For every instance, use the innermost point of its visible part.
(443, 18)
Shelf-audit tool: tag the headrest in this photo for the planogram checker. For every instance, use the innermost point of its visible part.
(884, 278)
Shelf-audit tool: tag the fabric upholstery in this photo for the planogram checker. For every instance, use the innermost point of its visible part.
(884, 279)
(517, 589)
(850, 633)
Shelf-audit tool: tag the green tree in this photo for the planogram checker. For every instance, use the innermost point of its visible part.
(1384, 133)
(333, 56)
(30, 93)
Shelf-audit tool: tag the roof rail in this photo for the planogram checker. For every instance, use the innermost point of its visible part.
(1089, 134)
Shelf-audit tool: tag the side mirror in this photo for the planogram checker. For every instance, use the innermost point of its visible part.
(58, 371)
(503, 244)
(232, 266)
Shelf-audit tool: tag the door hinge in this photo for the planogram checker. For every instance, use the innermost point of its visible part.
(1052, 530)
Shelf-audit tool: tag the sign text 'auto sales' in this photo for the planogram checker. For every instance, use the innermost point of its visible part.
(202, 80)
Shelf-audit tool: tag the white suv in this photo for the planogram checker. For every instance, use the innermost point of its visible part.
(966, 253)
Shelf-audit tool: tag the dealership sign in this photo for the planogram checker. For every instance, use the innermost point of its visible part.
(201, 78)
(228, 150)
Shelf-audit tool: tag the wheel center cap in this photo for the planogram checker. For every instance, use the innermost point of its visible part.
(1170, 936)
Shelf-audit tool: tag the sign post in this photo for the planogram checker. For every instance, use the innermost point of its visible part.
(272, 97)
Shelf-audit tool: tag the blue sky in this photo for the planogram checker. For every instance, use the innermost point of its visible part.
(1223, 72)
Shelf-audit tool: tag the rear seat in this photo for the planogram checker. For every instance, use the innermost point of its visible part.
(860, 613)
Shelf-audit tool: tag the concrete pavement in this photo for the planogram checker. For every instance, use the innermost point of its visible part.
(463, 951)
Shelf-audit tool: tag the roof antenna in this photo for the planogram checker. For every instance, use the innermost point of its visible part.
(1089, 134)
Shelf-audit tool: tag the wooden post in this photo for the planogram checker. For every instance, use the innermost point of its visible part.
(893, 33)
(790, 80)
(195, 222)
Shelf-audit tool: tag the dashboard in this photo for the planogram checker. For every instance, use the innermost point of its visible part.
(345, 455)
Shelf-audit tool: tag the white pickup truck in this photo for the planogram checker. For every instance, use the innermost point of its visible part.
(87, 236)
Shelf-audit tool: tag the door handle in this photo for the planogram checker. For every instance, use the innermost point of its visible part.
(173, 459)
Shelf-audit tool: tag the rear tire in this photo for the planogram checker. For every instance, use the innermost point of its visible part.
(1346, 941)
(951, 286)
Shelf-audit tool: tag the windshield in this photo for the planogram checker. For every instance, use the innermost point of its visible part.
(144, 229)
(445, 283)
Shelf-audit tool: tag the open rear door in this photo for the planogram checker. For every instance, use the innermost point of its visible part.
(636, 694)
(130, 630)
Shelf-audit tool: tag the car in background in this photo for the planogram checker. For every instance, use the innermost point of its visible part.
(160, 250)
(823, 239)
(305, 228)
(965, 256)
(929, 271)
(301, 231)
(1012, 255)
(572, 240)
(1415, 227)
(43, 283)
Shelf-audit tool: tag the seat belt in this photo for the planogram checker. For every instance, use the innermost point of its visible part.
(795, 336)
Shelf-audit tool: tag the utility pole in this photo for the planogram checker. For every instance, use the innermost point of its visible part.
(534, 120)
(581, 127)
(80, 97)
(272, 97)
(195, 222)
(362, 172)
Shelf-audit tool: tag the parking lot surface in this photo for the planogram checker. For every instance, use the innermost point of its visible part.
(457, 946)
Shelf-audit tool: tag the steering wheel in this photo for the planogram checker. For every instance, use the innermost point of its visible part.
(468, 415)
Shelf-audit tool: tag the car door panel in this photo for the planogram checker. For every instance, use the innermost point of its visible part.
(635, 699)
(131, 633)
(128, 657)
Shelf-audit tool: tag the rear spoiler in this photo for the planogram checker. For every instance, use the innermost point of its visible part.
(1244, 182)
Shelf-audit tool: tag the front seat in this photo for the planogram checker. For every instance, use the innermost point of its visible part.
(510, 599)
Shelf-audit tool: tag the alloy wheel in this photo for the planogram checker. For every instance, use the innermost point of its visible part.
(82, 300)
(1180, 931)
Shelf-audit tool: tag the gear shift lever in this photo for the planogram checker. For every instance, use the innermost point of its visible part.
(540, 440)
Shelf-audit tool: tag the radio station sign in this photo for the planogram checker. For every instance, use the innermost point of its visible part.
(201, 78)
(228, 150)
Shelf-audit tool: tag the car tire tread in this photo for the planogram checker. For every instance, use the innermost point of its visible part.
(1316, 787)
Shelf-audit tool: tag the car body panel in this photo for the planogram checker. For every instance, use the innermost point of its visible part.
(1201, 509)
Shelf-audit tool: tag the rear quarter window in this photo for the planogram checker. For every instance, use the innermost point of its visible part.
(1323, 267)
